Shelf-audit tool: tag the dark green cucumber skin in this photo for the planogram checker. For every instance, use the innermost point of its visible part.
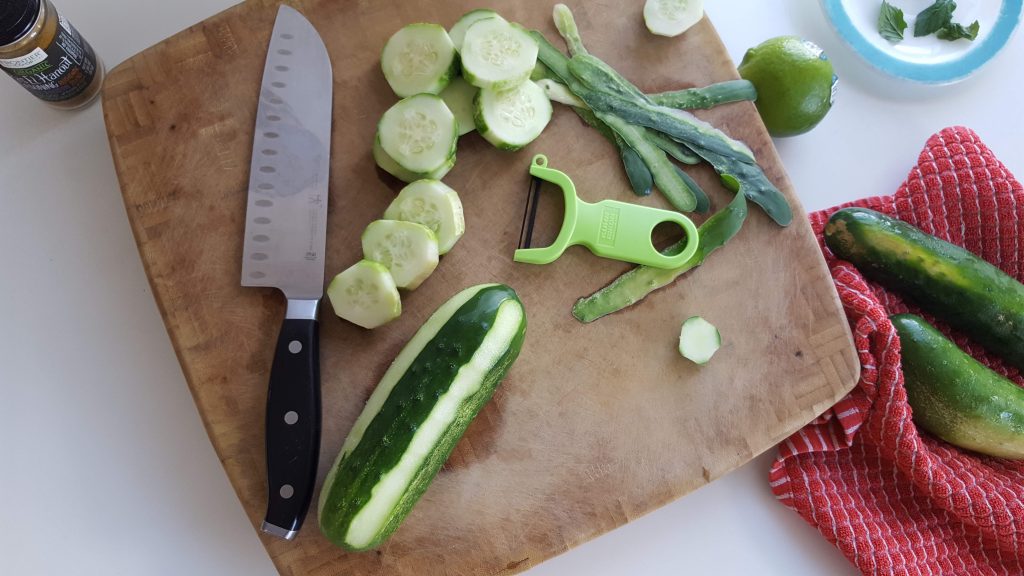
(957, 398)
(946, 280)
(410, 401)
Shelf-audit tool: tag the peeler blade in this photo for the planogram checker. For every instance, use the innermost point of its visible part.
(530, 214)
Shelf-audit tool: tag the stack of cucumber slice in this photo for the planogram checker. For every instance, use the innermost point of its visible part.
(400, 251)
(416, 138)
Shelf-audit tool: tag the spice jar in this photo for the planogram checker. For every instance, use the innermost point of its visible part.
(44, 53)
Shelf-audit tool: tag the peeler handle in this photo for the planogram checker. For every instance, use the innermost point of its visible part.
(622, 231)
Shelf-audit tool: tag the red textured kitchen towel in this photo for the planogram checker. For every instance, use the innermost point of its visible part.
(892, 499)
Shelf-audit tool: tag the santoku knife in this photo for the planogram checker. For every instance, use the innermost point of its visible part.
(284, 248)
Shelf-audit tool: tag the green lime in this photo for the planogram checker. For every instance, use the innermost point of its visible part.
(795, 83)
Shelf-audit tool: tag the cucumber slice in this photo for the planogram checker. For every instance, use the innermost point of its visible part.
(365, 295)
(419, 58)
(407, 249)
(458, 31)
(419, 133)
(698, 340)
(418, 412)
(434, 205)
(388, 164)
(672, 17)
(458, 96)
(497, 55)
(511, 119)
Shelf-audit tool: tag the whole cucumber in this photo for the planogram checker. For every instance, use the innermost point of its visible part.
(944, 279)
(424, 402)
(957, 398)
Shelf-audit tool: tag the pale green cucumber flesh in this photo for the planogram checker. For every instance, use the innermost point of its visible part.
(407, 249)
(433, 204)
(419, 58)
(388, 164)
(672, 17)
(418, 133)
(458, 30)
(458, 96)
(365, 294)
(511, 119)
(497, 55)
(957, 398)
(417, 413)
(698, 340)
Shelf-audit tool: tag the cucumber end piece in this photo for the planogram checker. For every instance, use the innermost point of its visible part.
(698, 340)
(672, 17)
(365, 294)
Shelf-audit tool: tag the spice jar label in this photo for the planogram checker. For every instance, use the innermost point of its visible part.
(27, 61)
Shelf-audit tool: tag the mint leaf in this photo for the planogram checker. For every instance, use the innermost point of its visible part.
(934, 18)
(956, 31)
(891, 23)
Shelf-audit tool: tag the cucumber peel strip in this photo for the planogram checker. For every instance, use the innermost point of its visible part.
(636, 284)
(604, 90)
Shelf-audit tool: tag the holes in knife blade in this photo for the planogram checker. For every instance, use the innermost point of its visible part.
(276, 100)
(264, 203)
(266, 187)
(269, 152)
(268, 169)
(257, 275)
(286, 491)
(273, 118)
(260, 256)
(261, 238)
(271, 135)
(284, 52)
(278, 84)
(261, 220)
(287, 36)
(282, 68)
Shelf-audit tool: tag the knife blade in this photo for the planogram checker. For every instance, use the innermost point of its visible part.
(284, 247)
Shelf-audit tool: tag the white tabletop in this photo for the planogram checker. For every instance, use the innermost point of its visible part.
(105, 467)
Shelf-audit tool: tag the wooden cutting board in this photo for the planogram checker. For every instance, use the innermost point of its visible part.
(596, 424)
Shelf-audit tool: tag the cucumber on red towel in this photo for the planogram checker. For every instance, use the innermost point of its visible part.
(895, 501)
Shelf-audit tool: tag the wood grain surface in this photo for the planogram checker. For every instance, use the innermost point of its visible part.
(595, 425)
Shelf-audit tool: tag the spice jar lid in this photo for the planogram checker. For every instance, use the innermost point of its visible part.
(16, 18)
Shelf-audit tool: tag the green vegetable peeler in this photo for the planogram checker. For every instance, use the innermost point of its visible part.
(609, 228)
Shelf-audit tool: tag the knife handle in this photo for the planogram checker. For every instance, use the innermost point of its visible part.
(293, 425)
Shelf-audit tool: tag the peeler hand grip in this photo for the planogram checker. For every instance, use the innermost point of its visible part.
(609, 228)
(622, 231)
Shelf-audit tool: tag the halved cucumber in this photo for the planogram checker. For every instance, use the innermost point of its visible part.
(418, 133)
(365, 295)
(498, 55)
(419, 410)
(458, 96)
(388, 164)
(511, 119)
(419, 58)
(434, 205)
(698, 340)
(458, 31)
(407, 249)
(672, 17)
